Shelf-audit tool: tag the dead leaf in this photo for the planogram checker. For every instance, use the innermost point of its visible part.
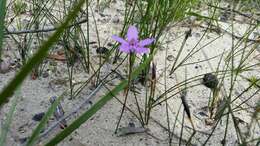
(58, 57)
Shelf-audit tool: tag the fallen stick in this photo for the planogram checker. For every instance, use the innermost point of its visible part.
(86, 102)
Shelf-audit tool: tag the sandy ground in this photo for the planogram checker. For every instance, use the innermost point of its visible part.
(99, 130)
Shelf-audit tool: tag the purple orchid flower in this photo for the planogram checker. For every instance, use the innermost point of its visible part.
(132, 44)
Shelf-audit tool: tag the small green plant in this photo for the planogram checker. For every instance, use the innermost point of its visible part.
(254, 81)
(19, 7)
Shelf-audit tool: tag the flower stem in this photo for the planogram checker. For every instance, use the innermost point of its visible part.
(131, 62)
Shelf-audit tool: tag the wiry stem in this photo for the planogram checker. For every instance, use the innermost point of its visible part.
(127, 89)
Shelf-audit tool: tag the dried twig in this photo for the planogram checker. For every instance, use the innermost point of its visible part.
(233, 35)
(235, 11)
(8, 32)
(86, 102)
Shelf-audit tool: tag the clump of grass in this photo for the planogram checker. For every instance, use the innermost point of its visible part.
(19, 7)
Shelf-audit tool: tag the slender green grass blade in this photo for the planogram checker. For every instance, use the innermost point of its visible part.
(39, 55)
(44, 120)
(97, 106)
(9, 118)
(200, 16)
(2, 21)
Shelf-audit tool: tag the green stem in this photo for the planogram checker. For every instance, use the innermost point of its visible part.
(131, 62)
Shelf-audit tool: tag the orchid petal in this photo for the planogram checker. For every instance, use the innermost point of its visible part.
(146, 42)
(119, 39)
(141, 50)
(125, 48)
(132, 33)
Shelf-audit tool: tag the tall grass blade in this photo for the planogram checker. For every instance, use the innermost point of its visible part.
(6, 126)
(44, 120)
(2, 21)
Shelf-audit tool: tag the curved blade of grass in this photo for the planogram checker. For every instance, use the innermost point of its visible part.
(2, 21)
(97, 106)
(9, 118)
(200, 16)
(39, 55)
(44, 120)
